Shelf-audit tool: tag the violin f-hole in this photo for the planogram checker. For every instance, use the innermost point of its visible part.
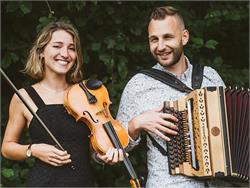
(95, 121)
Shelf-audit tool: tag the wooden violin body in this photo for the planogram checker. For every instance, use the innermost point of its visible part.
(89, 102)
(95, 115)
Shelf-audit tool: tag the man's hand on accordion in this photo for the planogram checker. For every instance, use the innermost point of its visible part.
(153, 121)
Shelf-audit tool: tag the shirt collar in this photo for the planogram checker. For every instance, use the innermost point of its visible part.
(186, 74)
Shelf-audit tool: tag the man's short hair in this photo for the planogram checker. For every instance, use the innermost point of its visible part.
(160, 13)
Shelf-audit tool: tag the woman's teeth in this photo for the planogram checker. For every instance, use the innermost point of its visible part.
(61, 62)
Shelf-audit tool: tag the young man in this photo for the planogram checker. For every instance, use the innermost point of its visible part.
(142, 98)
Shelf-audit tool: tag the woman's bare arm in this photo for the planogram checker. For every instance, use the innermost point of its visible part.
(11, 149)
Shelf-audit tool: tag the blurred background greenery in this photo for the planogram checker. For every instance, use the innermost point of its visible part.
(115, 46)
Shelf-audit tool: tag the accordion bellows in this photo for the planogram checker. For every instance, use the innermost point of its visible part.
(213, 138)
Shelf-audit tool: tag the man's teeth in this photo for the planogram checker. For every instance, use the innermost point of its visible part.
(166, 53)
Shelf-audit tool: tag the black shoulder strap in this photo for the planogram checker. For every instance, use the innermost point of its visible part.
(34, 96)
(163, 151)
(197, 76)
(167, 78)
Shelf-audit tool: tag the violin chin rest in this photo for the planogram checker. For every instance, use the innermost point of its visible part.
(93, 84)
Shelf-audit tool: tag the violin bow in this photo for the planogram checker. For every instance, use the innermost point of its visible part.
(30, 109)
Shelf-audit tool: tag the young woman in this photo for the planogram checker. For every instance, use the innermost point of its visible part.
(55, 60)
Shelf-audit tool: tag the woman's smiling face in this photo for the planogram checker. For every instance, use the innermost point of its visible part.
(59, 54)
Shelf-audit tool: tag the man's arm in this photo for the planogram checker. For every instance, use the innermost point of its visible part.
(212, 77)
(128, 109)
(135, 120)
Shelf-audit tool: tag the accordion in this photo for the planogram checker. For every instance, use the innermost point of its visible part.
(213, 138)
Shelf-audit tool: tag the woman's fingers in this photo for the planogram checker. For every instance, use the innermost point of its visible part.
(121, 156)
(58, 160)
(53, 163)
(62, 157)
(115, 156)
(112, 156)
(50, 154)
(106, 156)
(60, 152)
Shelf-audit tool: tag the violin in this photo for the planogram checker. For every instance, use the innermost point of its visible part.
(88, 101)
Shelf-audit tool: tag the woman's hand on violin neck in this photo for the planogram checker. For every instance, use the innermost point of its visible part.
(50, 154)
(112, 156)
(154, 121)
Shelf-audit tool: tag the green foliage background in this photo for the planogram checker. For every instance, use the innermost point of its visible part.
(114, 40)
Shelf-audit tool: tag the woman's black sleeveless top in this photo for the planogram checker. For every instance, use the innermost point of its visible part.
(72, 135)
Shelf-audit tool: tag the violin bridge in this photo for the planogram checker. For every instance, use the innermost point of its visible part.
(104, 111)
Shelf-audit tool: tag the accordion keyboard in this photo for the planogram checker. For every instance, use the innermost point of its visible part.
(189, 150)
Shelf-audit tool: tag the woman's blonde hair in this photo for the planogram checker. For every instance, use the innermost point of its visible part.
(35, 64)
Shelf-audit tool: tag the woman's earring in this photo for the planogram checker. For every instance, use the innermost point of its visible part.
(41, 58)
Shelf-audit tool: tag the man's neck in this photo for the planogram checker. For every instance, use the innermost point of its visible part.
(179, 68)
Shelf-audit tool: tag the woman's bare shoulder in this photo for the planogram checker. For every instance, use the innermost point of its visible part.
(18, 104)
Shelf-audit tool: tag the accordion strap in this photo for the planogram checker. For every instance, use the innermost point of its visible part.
(163, 151)
(171, 80)
(167, 78)
(197, 76)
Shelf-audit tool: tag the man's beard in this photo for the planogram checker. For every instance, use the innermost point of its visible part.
(177, 52)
